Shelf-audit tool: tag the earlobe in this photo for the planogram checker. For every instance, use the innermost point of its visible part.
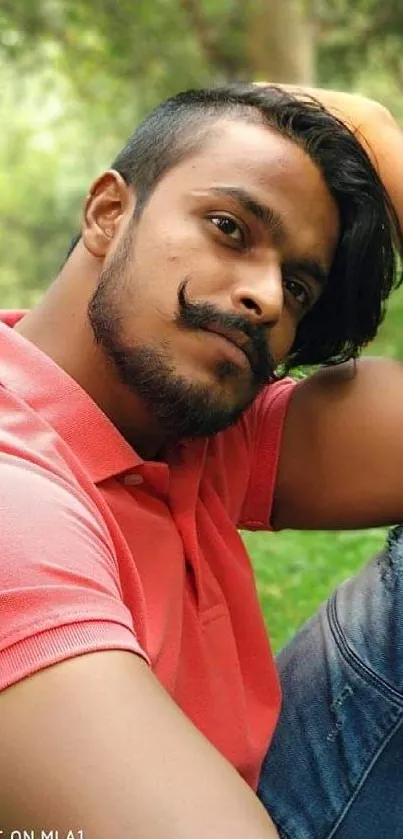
(107, 205)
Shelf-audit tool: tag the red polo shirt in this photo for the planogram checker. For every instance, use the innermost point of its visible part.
(102, 550)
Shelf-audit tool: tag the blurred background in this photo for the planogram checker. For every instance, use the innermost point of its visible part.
(76, 77)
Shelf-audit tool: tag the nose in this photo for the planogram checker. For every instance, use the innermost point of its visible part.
(260, 296)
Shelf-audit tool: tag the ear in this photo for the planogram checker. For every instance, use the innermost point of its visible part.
(109, 203)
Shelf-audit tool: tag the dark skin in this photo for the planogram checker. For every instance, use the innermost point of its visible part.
(235, 226)
(62, 767)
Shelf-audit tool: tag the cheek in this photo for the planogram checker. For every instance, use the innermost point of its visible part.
(168, 238)
(164, 260)
(155, 277)
(282, 337)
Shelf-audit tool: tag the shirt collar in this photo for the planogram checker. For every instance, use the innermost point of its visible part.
(32, 376)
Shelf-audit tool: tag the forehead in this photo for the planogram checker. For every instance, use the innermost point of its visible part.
(273, 168)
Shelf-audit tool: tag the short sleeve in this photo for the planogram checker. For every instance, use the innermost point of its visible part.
(59, 584)
(265, 429)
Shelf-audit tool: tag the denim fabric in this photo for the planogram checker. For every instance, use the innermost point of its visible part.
(335, 767)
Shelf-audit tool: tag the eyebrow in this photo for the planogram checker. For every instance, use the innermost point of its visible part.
(275, 226)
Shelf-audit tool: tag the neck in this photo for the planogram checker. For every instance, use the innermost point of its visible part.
(59, 327)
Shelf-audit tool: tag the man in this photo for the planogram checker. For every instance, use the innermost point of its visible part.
(140, 425)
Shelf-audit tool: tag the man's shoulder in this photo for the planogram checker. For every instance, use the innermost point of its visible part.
(37, 471)
(26, 439)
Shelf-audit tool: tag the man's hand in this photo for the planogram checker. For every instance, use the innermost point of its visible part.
(96, 745)
(376, 129)
(356, 111)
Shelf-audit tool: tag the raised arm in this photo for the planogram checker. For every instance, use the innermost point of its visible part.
(375, 127)
(341, 463)
(342, 454)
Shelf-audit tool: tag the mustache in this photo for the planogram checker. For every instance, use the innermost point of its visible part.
(202, 315)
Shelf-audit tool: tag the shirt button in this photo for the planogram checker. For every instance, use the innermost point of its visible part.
(134, 479)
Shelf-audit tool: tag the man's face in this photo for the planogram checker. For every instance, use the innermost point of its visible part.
(201, 297)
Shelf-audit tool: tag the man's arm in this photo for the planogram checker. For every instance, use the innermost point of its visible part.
(341, 463)
(92, 742)
(375, 128)
(382, 138)
(95, 744)
(342, 455)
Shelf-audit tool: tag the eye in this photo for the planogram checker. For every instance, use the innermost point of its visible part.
(229, 227)
(299, 292)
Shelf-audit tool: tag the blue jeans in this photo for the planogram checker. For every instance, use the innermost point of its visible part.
(335, 767)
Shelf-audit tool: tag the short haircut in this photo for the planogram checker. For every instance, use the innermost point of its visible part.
(365, 267)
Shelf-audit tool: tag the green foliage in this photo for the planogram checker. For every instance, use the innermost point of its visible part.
(351, 35)
(39, 198)
(152, 48)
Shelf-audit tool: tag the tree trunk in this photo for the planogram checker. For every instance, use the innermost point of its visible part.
(280, 41)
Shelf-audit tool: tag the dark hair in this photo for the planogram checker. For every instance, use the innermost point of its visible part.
(365, 268)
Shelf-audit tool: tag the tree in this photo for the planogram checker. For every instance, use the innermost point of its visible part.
(105, 70)
(280, 42)
(162, 46)
(75, 81)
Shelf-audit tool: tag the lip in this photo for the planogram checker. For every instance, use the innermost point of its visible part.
(234, 337)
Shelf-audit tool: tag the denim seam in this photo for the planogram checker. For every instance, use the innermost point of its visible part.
(363, 778)
(351, 658)
(395, 721)
(283, 834)
(358, 786)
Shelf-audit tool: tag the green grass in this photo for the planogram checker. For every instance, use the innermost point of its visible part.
(296, 571)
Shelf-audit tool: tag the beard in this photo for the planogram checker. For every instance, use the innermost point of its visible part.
(182, 408)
